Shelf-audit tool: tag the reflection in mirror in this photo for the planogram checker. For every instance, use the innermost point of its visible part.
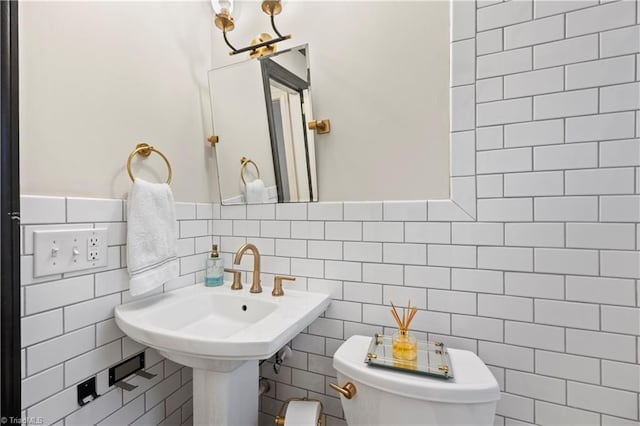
(260, 109)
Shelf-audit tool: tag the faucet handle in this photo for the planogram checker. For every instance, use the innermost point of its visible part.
(237, 282)
(277, 284)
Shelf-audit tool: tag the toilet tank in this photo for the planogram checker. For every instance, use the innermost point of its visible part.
(387, 397)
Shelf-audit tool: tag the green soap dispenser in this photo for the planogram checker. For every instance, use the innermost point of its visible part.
(214, 274)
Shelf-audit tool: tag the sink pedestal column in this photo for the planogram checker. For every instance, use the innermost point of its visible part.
(226, 399)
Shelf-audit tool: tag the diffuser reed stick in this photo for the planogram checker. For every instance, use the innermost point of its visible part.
(395, 315)
(403, 345)
(403, 324)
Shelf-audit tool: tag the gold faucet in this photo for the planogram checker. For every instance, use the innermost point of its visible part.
(277, 284)
(255, 283)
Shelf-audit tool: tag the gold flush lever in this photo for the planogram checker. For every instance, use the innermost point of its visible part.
(320, 126)
(277, 284)
(348, 390)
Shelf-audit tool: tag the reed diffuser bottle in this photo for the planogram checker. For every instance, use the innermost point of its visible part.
(403, 345)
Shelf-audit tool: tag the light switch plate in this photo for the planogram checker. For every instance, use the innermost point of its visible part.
(67, 250)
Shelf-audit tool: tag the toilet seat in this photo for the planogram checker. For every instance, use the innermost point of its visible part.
(472, 381)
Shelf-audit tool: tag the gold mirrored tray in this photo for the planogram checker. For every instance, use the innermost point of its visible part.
(432, 360)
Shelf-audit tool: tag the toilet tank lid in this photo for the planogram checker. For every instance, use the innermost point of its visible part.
(472, 381)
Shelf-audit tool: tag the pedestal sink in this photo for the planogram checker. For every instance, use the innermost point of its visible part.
(222, 334)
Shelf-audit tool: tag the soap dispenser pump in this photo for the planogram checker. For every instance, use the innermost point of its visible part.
(214, 274)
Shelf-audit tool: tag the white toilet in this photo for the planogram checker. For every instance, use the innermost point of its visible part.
(386, 397)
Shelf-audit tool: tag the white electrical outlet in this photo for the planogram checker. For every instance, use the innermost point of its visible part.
(67, 250)
(93, 250)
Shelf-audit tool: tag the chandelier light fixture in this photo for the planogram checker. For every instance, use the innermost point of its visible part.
(264, 44)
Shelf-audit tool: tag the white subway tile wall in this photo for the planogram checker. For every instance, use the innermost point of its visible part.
(68, 331)
(544, 285)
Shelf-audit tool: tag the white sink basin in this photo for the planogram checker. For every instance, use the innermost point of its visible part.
(219, 323)
(222, 334)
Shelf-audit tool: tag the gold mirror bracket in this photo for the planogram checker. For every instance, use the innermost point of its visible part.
(213, 140)
(320, 126)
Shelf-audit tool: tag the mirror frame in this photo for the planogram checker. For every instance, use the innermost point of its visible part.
(462, 202)
(272, 70)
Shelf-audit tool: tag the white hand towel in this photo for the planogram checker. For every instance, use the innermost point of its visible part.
(152, 233)
(255, 192)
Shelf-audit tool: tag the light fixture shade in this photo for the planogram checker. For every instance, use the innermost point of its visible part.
(223, 6)
(272, 7)
(227, 12)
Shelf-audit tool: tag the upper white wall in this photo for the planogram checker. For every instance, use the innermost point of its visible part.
(99, 77)
(380, 72)
(96, 78)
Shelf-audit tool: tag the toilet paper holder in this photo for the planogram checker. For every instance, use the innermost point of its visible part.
(279, 420)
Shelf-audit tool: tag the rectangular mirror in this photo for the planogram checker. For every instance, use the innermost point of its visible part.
(386, 92)
(265, 152)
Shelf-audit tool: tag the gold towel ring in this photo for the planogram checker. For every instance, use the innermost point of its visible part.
(145, 150)
(244, 161)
